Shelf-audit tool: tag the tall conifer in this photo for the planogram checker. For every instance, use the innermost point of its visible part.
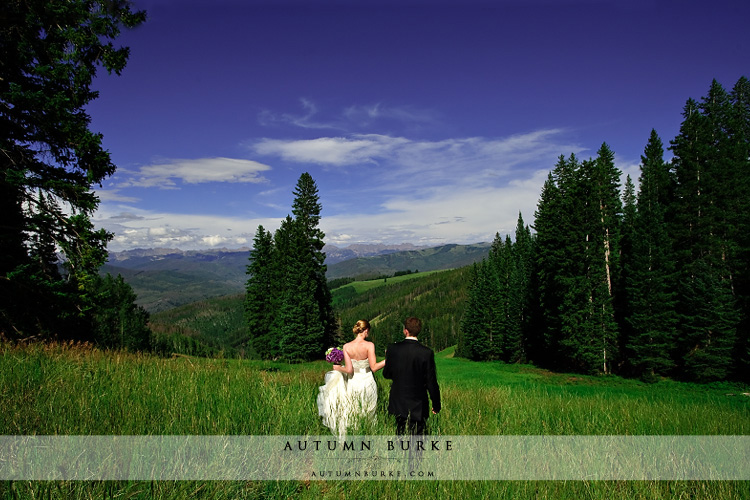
(293, 316)
(651, 296)
(262, 293)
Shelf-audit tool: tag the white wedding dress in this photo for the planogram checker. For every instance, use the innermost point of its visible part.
(346, 400)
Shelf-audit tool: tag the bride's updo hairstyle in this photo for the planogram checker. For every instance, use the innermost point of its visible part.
(361, 326)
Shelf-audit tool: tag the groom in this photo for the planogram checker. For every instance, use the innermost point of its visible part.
(411, 367)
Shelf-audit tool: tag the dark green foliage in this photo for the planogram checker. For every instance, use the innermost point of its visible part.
(495, 324)
(306, 209)
(51, 161)
(660, 286)
(214, 327)
(288, 304)
(704, 234)
(738, 128)
(650, 319)
(548, 265)
(297, 328)
(118, 321)
(577, 263)
(708, 333)
(259, 295)
(438, 299)
(479, 335)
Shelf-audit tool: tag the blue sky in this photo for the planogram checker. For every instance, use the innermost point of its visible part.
(424, 122)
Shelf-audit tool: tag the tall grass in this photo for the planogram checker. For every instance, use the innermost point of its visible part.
(75, 389)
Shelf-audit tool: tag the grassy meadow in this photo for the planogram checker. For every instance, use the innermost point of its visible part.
(75, 389)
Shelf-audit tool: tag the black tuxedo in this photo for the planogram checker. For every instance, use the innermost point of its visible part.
(411, 367)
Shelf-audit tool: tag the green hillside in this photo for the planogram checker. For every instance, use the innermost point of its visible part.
(164, 289)
(163, 282)
(436, 297)
(429, 259)
(217, 323)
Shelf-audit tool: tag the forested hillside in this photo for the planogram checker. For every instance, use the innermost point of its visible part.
(649, 282)
(167, 278)
(428, 259)
(438, 299)
(215, 326)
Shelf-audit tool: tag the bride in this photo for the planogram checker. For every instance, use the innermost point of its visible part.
(350, 392)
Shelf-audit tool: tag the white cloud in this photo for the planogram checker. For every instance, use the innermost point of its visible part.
(366, 115)
(136, 228)
(114, 195)
(335, 151)
(267, 117)
(396, 160)
(446, 215)
(456, 190)
(352, 117)
(196, 171)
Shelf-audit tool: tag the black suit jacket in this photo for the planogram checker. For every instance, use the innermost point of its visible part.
(411, 367)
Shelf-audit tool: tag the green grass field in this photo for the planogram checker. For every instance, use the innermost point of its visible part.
(367, 285)
(69, 389)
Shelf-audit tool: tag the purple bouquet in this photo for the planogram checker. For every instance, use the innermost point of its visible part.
(334, 355)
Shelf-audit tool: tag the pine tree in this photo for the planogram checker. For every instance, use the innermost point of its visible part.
(498, 293)
(551, 260)
(623, 300)
(702, 234)
(306, 209)
(508, 321)
(739, 212)
(118, 322)
(520, 290)
(606, 185)
(477, 340)
(288, 303)
(709, 331)
(301, 333)
(651, 297)
(262, 293)
(51, 160)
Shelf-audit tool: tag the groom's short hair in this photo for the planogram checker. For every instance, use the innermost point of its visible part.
(413, 325)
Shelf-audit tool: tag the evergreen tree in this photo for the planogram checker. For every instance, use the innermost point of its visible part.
(552, 227)
(498, 294)
(51, 160)
(702, 234)
(520, 290)
(578, 238)
(118, 322)
(623, 309)
(709, 330)
(651, 313)
(605, 271)
(508, 321)
(739, 212)
(300, 333)
(306, 209)
(262, 293)
(288, 304)
(477, 340)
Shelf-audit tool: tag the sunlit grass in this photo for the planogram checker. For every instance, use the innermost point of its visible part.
(364, 286)
(76, 389)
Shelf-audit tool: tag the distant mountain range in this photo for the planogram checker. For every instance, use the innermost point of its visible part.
(165, 278)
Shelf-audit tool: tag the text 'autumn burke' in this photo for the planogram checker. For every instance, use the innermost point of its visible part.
(366, 445)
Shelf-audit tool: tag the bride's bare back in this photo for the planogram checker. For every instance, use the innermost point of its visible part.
(360, 349)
